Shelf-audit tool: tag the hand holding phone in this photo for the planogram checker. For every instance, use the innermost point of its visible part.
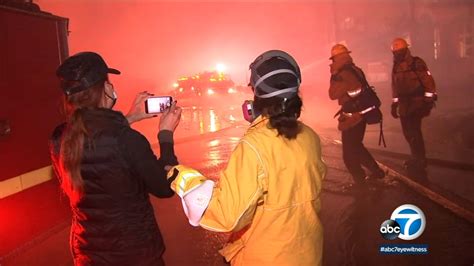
(170, 118)
(157, 104)
(137, 110)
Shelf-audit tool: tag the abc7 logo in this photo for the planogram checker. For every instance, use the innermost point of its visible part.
(407, 222)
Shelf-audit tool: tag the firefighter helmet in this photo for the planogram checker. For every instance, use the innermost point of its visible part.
(398, 44)
(275, 73)
(338, 49)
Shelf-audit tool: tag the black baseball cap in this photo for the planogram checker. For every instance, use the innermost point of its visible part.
(87, 68)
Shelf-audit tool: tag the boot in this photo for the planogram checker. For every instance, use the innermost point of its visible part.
(377, 174)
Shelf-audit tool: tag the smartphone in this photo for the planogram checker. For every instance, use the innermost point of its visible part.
(157, 104)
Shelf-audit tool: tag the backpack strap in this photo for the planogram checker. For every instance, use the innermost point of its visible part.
(381, 136)
(413, 69)
(358, 73)
(363, 80)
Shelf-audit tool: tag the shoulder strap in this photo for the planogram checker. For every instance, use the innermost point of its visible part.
(413, 64)
(358, 73)
(413, 68)
(381, 136)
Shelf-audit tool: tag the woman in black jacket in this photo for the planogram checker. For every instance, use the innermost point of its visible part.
(107, 169)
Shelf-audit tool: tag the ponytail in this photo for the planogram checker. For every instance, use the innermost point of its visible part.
(283, 114)
(72, 141)
(72, 146)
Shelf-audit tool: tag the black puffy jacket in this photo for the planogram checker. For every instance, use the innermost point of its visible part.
(113, 222)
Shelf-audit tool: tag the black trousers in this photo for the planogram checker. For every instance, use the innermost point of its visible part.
(411, 126)
(355, 154)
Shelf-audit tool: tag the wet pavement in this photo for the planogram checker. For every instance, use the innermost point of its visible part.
(351, 220)
(445, 174)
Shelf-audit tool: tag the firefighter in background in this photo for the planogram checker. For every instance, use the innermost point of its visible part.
(345, 86)
(414, 95)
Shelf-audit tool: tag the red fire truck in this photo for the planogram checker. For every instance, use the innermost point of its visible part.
(32, 45)
(208, 88)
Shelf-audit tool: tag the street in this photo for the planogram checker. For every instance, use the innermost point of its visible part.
(351, 222)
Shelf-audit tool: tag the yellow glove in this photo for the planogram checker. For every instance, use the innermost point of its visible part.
(193, 189)
(185, 179)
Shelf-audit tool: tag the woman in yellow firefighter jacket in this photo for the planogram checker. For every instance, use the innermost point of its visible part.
(269, 193)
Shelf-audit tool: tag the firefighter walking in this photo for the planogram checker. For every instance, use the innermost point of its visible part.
(414, 95)
(346, 85)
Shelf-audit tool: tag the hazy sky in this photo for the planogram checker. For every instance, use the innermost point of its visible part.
(154, 42)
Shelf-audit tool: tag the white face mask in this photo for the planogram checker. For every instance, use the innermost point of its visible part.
(113, 98)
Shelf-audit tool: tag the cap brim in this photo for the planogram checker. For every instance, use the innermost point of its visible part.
(113, 71)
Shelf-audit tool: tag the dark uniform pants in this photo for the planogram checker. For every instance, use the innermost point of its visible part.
(411, 126)
(355, 154)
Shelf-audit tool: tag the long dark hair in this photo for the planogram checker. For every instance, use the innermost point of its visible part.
(72, 142)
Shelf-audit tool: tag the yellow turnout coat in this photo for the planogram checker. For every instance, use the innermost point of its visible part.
(269, 197)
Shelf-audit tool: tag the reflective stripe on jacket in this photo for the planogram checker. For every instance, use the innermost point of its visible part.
(341, 83)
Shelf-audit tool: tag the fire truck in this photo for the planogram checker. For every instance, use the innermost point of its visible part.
(209, 88)
(32, 44)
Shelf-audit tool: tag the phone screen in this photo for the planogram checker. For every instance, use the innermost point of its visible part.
(157, 104)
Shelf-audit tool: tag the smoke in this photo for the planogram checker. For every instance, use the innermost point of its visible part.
(155, 42)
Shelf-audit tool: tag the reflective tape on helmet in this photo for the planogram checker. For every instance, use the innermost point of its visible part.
(272, 73)
(275, 93)
(395, 100)
(429, 94)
